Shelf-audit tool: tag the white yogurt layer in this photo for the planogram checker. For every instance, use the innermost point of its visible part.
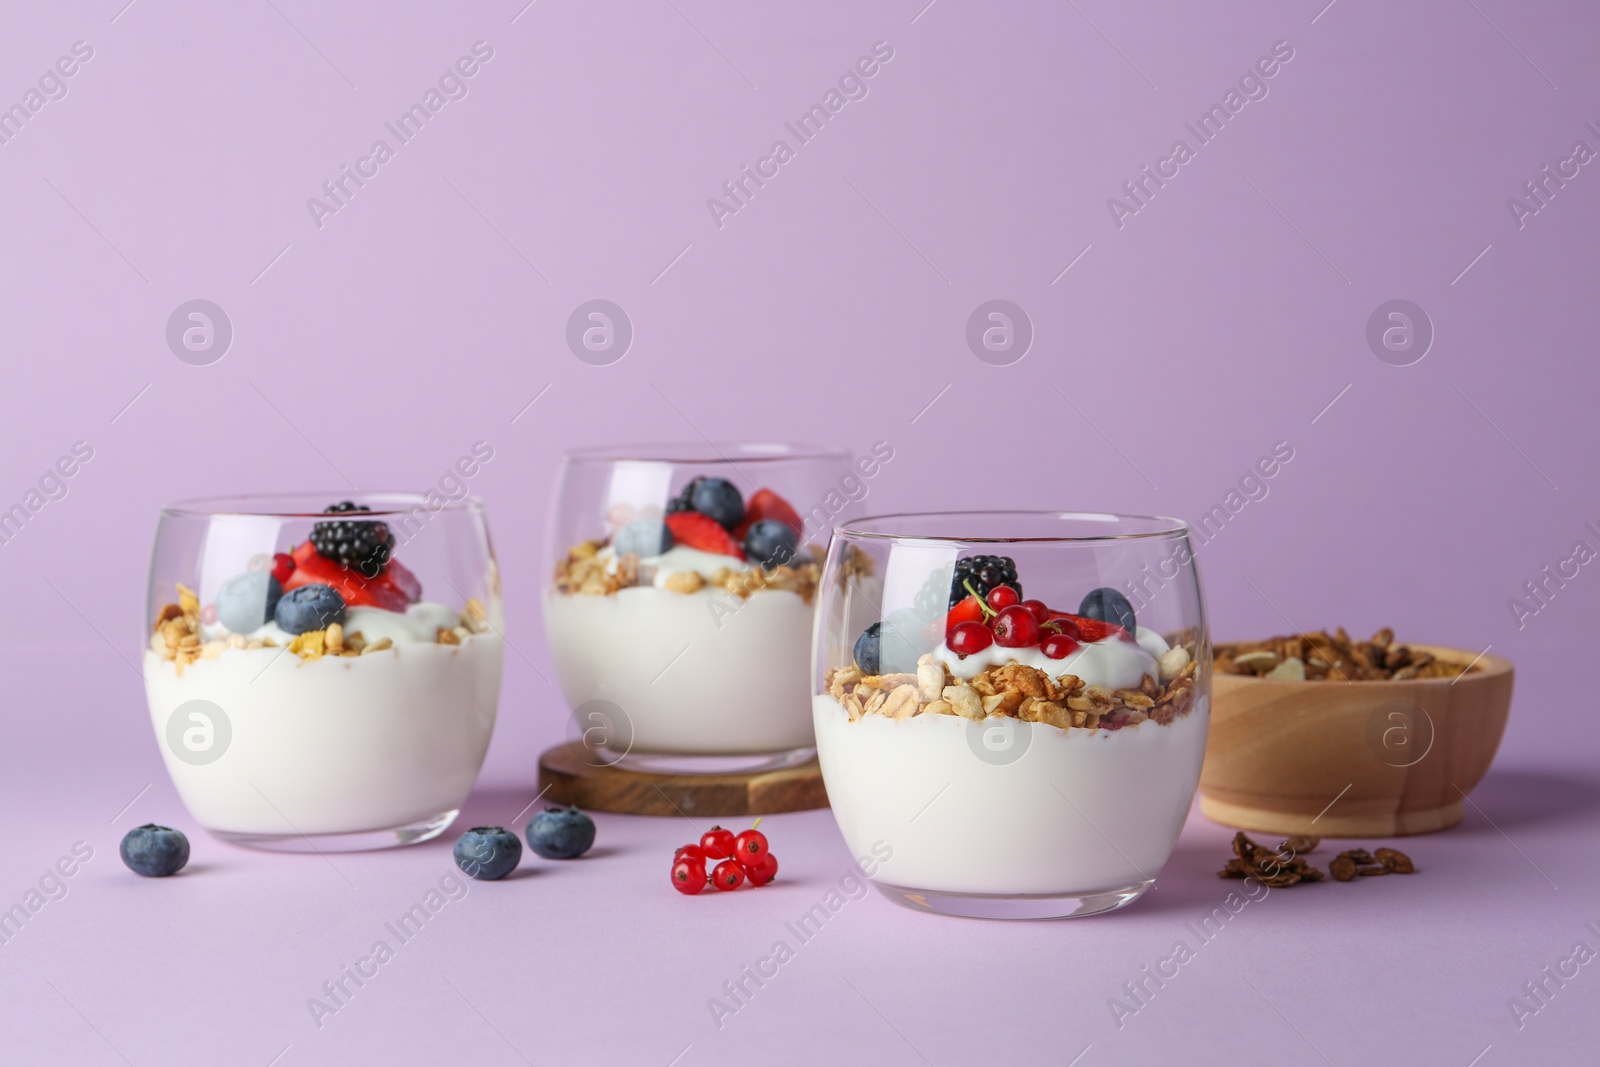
(336, 745)
(1114, 662)
(700, 673)
(1003, 806)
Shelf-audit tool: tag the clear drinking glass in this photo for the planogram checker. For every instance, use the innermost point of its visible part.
(1044, 765)
(680, 603)
(352, 716)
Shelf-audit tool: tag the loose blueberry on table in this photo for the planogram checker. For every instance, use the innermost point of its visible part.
(560, 833)
(488, 853)
(155, 851)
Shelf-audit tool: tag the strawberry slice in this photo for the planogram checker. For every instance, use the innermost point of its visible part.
(302, 552)
(402, 579)
(966, 610)
(1092, 629)
(380, 592)
(765, 504)
(703, 532)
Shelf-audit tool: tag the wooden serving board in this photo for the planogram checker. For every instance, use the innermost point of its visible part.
(569, 774)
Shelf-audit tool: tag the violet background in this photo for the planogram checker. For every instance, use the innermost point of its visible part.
(1225, 316)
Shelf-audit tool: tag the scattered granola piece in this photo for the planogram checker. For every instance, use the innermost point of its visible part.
(446, 636)
(1395, 860)
(1172, 662)
(1290, 670)
(684, 582)
(334, 642)
(901, 702)
(1299, 844)
(379, 645)
(965, 700)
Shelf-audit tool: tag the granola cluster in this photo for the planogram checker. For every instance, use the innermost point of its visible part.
(177, 635)
(1018, 691)
(1285, 866)
(1320, 656)
(587, 571)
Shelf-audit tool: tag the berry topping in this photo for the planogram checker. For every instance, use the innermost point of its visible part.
(717, 843)
(1015, 627)
(968, 638)
(969, 609)
(282, 566)
(642, 537)
(728, 876)
(155, 851)
(689, 875)
(1041, 612)
(1062, 624)
(1108, 605)
(703, 532)
(763, 871)
(765, 504)
(246, 601)
(867, 648)
(750, 846)
(365, 546)
(770, 543)
(1090, 630)
(391, 590)
(488, 853)
(719, 499)
(560, 833)
(1003, 596)
(984, 573)
(309, 607)
(1058, 646)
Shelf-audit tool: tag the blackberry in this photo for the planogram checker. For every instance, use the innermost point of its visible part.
(365, 546)
(984, 573)
(684, 501)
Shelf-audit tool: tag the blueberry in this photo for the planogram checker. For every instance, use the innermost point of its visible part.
(867, 648)
(560, 833)
(1108, 605)
(488, 853)
(246, 601)
(642, 537)
(719, 499)
(310, 607)
(155, 851)
(771, 543)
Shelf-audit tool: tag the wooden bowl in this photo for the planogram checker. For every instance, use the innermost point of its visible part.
(1352, 759)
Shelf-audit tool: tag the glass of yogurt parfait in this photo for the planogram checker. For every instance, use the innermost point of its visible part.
(1011, 707)
(323, 676)
(679, 610)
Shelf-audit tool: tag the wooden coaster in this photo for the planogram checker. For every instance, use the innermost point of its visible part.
(569, 774)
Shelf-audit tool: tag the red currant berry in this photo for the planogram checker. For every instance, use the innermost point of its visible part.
(717, 843)
(1041, 612)
(728, 875)
(969, 638)
(1015, 627)
(763, 871)
(282, 566)
(1058, 646)
(688, 876)
(689, 852)
(1002, 597)
(749, 847)
(1063, 624)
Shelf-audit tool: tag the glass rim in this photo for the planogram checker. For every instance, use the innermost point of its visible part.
(722, 453)
(258, 505)
(1167, 527)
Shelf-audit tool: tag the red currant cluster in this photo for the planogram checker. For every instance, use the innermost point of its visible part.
(743, 857)
(1003, 618)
